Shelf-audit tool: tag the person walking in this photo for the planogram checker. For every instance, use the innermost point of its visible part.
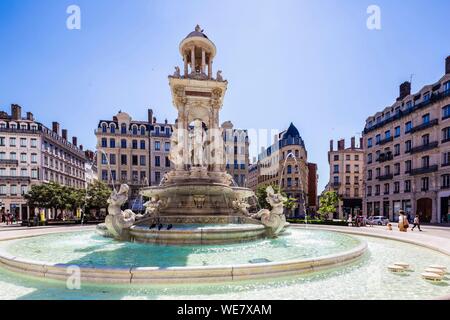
(416, 223)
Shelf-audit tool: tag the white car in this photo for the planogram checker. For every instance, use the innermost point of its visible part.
(378, 220)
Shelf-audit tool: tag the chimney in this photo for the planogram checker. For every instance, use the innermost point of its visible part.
(55, 127)
(81, 147)
(74, 141)
(405, 90)
(353, 143)
(16, 112)
(331, 145)
(30, 116)
(341, 144)
(64, 134)
(447, 65)
(150, 116)
(361, 143)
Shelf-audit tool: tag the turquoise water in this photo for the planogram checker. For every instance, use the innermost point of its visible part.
(89, 249)
(366, 279)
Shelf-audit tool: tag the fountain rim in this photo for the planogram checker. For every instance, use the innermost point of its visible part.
(199, 274)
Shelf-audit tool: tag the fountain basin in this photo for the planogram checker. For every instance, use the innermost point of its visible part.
(115, 263)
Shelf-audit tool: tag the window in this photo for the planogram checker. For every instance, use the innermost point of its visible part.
(157, 161)
(369, 143)
(113, 128)
(347, 168)
(369, 191)
(104, 143)
(104, 175)
(356, 168)
(142, 160)
(348, 157)
(123, 128)
(12, 142)
(445, 181)
(167, 131)
(23, 172)
(157, 177)
(356, 157)
(34, 173)
(2, 190)
(336, 157)
(446, 112)
(446, 158)
(397, 169)
(446, 134)
(112, 159)
(135, 130)
(33, 158)
(425, 183)
(387, 134)
(23, 142)
(112, 143)
(386, 188)
(157, 131)
(104, 128)
(2, 141)
(425, 139)
(13, 190)
(425, 162)
(134, 144)
(123, 159)
(33, 143)
(124, 175)
(104, 161)
(369, 175)
(157, 145)
(13, 156)
(142, 144)
(426, 96)
(167, 146)
(426, 118)
(336, 180)
(378, 138)
(377, 190)
(336, 168)
(23, 157)
(408, 186)
(23, 190)
(447, 86)
(369, 158)
(387, 170)
(142, 131)
(407, 166)
(397, 132)
(123, 143)
(397, 150)
(167, 162)
(13, 172)
(397, 187)
(134, 160)
(408, 127)
(289, 169)
(377, 172)
(408, 146)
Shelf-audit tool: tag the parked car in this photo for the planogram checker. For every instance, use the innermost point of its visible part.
(378, 220)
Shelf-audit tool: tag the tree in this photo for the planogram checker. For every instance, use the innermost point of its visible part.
(97, 195)
(328, 204)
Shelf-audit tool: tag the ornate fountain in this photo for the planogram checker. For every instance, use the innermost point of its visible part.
(197, 202)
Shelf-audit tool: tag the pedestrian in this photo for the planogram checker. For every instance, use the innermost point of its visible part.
(416, 222)
(3, 217)
(403, 221)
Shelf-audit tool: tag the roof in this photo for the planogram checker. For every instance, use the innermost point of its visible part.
(198, 32)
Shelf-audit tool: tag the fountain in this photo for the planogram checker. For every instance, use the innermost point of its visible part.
(198, 198)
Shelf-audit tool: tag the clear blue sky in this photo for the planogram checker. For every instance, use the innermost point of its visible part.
(314, 63)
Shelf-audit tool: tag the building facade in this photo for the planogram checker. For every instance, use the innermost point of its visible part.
(347, 177)
(123, 154)
(160, 135)
(285, 163)
(407, 154)
(313, 178)
(253, 174)
(237, 153)
(30, 154)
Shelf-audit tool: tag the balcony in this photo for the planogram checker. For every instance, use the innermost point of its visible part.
(424, 170)
(389, 176)
(385, 157)
(16, 178)
(424, 126)
(386, 140)
(8, 162)
(425, 147)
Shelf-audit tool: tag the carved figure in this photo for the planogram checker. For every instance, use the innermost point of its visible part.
(177, 73)
(274, 219)
(117, 220)
(219, 76)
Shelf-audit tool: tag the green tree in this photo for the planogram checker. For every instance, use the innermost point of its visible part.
(328, 204)
(97, 195)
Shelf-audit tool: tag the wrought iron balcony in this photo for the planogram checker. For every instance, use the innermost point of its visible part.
(16, 178)
(9, 162)
(385, 157)
(386, 140)
(424, 170)
(425, 147)
(385, 177)
(424, 126)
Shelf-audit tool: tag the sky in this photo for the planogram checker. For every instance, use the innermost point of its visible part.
(314, 63)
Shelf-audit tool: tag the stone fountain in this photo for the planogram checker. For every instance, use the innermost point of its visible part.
(197, 202)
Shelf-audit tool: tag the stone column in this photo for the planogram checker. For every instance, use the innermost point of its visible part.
(193, 59)
(186, 71)
(210, 68)
(434, 209)
(203, 60)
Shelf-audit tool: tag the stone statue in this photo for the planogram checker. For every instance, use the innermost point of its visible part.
(153, 206)
(175, 149)
(198, 142)
(219, 76)
(274, 219)
(177, 73)
(241, 206)
(117, 220)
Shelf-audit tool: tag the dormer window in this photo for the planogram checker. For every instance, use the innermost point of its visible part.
(426, 96)
(142, 131)
(447, 86)
(135, 130)
(113, 128)
(104, 128)
(409, 105)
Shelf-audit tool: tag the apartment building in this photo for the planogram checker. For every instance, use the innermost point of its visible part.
(31, 153)
(407, 154)
(253, 174)
(160, 134)
(313, 178)
(123, 153)
(285, 163)
(347, 177)
(236, 144)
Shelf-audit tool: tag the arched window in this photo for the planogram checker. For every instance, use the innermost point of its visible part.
(289, 169)
(104, 127)
(142, 131)
(135, 130)
(123, 128)
(113, 128)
